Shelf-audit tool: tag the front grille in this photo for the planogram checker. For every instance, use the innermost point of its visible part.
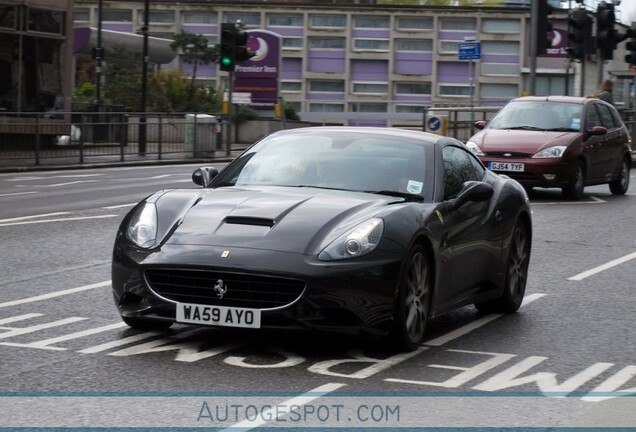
(243, 290)
(511, 155)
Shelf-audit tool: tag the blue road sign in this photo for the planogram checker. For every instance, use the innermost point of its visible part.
(469, 50)
(434, 123)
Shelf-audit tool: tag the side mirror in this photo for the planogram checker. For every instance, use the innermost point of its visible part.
(203, 176)
(480, 124)
(596, 130)
(472, 191)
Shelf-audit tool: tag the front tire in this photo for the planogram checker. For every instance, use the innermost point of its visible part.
(516, 274)
(413, 302)
(574, 190)
(621, 184)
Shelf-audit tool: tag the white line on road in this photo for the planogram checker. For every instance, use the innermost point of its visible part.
(31, 217)
(603, 267)
(594, 200)
(271, 413)
(55, 294)
(54, 176)
(71, 183)
(18, 193)
(45, 344)
(118, 206)
(56, 220)
(439, 341)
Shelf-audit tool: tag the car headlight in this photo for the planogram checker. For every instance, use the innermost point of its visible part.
(142, 229)
(358, 241)
(550, 152)
(474, 148)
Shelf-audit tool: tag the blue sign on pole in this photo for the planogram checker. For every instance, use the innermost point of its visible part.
(434, 123)
(469, 50)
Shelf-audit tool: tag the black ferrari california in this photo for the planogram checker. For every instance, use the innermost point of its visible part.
(361, 230)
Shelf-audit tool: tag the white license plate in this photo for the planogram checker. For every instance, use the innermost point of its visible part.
(505, 166)
(218, 315)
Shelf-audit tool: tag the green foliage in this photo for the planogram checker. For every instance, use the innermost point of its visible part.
(193, 48)
(85, 93)
(290, 112)
(123, 79)
(243, 113)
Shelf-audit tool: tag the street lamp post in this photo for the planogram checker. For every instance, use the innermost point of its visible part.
(98, 56)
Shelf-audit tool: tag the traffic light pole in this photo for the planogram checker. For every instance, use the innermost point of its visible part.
(230, 108)
(534, 16)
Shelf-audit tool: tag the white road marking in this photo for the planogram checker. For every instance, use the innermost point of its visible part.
(457, 333)
(603, 267)
(55, 294)
(18, 318)
(118, 206)
(32, 217)
(18, 193)
(22, 331)
(45, 344)
(57, 220)
(594, 200)
(70, 183)
(117, 343)
(53, 176)
(301, 400)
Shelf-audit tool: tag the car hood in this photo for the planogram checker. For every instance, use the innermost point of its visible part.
(520, 141)
(296, 220)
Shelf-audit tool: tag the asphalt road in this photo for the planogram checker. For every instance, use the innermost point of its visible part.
(67, 360)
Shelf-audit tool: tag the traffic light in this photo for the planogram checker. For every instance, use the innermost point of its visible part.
(241, 51)
(630, 57)
(227, 55)
(605, 32)
(579, 25)
(544, 26)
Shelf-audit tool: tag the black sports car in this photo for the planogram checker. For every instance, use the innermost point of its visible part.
(361, 230)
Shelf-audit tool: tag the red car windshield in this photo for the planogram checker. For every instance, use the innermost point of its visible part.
(546, 115)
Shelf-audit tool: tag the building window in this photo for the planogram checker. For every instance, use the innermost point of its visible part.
(284, 20)
(330, 21)
(250, 19)
(409, 109)
(371, 45)
(327, 86)
(369, 107)
(158, 17)
(500, 47)
(375, 22)
(499, 91)
(418, 88)
(511, 69)
(8, 17)
(326, 107)
(117, 15)
(212, 39)
(449, 46)
(45, 21)
(291, 86)
(292, 43)
(79, 15)
(327, 43)
(454, 90)
(414, 23)
(548, 84)
(464, 25)
(415, 45)
(370, 88)
(501, 26)
(199, 18)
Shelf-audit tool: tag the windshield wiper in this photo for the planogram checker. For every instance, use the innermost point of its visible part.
(406, 195)
(562, 129)
(524, 128)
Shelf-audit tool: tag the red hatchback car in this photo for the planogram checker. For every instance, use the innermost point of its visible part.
(557, 142)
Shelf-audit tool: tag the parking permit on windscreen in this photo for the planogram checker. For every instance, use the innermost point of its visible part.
(414, 187)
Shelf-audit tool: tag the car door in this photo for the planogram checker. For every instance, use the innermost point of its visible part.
(592, 146)
(611, 146)
(469, 245)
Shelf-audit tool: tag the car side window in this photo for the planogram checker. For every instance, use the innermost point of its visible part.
(606, 117)
(593, 117)
(459, 167)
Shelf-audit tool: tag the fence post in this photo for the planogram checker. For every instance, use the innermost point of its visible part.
(160, 136)
(81, 141)
(37, 139)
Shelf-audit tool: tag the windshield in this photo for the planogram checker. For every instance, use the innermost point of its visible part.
(356, 161)
(545, 115)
